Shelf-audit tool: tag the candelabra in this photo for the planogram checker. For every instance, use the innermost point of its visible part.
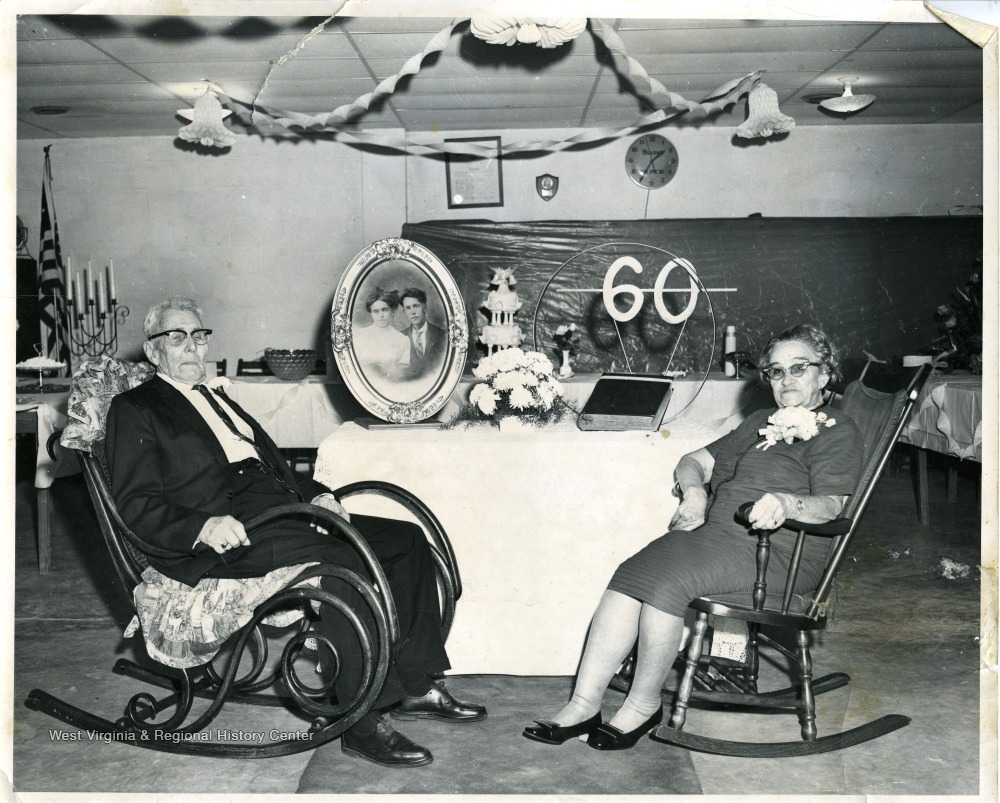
(92, 312)
(91, 332)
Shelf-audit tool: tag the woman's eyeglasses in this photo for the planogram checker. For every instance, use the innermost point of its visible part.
(178, 337)
(777, 374)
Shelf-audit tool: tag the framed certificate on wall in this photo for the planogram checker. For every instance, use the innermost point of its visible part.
(475, 180)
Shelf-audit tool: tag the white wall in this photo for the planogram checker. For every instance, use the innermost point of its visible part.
(816, 171)
(261, 234)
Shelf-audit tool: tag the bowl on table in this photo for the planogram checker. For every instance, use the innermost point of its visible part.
(290, 365)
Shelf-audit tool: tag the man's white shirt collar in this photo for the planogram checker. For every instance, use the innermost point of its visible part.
(181, 386)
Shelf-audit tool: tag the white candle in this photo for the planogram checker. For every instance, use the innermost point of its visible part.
(102, 298)
(90, 283)
(81, 300)
(111, 281)
(69, 282)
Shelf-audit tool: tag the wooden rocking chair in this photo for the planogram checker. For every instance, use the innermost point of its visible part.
(191, 677)
(880, 408)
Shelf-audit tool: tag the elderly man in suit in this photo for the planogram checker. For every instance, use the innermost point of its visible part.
(188, 466)
(427, 341)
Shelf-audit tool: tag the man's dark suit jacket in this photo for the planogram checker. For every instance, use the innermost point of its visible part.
(170, 474)
(435, 343)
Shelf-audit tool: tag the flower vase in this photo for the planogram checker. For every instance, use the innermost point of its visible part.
(565, 370)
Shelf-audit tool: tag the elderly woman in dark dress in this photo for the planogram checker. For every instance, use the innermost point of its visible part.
(706, 551)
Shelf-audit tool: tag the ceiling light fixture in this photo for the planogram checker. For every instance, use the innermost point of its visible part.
(49, 111)
(848, 103)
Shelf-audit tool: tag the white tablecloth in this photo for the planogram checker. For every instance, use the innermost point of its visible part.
(949, 416)
(539, 521)
(302, 414)
(50, 412)
(295, 414)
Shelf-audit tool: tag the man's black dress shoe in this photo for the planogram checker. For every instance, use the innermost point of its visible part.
(382, 744)
(437, 704)
(608, 737)
(549, 732)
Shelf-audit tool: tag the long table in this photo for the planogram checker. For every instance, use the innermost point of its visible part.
(948, 419)
(301, 414)
(949, 416)
(539, 520)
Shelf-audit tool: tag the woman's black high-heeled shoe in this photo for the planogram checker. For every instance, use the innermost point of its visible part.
(550, 733)
(608, 737)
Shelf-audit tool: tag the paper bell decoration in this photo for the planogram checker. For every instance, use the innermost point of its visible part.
(764, 118)
(206, 127)
(545, 33)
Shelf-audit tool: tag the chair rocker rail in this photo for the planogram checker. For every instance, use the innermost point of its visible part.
(39, 700)
(824, 744)
(173, 736)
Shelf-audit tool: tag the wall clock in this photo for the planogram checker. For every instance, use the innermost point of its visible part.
(651, 161)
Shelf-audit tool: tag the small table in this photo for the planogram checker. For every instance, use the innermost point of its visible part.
(44, 414)
(948, 419)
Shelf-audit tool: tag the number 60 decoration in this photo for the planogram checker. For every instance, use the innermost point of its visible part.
(611, 291)
(619, 287)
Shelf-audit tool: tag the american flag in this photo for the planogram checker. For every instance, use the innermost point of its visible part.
(51, 290)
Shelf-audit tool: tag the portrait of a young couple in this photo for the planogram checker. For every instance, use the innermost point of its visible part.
(397, 343)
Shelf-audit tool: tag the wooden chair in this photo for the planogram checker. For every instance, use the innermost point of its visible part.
(219, 367)
(193, 677)
(880, 408)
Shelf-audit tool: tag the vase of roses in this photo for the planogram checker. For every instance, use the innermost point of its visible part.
(566, 337)
(516, 387)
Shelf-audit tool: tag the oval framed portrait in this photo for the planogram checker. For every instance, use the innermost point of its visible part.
(399, 331)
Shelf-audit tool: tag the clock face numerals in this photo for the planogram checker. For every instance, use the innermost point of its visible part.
(651, 161)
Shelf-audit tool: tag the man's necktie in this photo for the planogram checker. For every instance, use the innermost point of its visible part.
(420, 344)
(228, 421)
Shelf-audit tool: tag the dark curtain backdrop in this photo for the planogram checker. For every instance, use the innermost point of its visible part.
(872, 283)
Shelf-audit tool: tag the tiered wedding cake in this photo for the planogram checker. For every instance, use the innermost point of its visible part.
(501, 332)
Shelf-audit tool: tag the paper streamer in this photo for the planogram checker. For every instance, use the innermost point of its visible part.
(257, 116)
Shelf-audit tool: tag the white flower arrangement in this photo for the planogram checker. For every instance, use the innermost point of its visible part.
(517, 383)
(790, 423)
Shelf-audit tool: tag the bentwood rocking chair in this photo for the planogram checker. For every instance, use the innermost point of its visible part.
(286, 599)
(880, 408)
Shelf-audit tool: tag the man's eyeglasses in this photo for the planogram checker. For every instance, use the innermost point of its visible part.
(178, 337)
(777, 374)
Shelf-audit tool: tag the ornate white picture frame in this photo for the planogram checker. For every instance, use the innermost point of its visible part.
(400, 362)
